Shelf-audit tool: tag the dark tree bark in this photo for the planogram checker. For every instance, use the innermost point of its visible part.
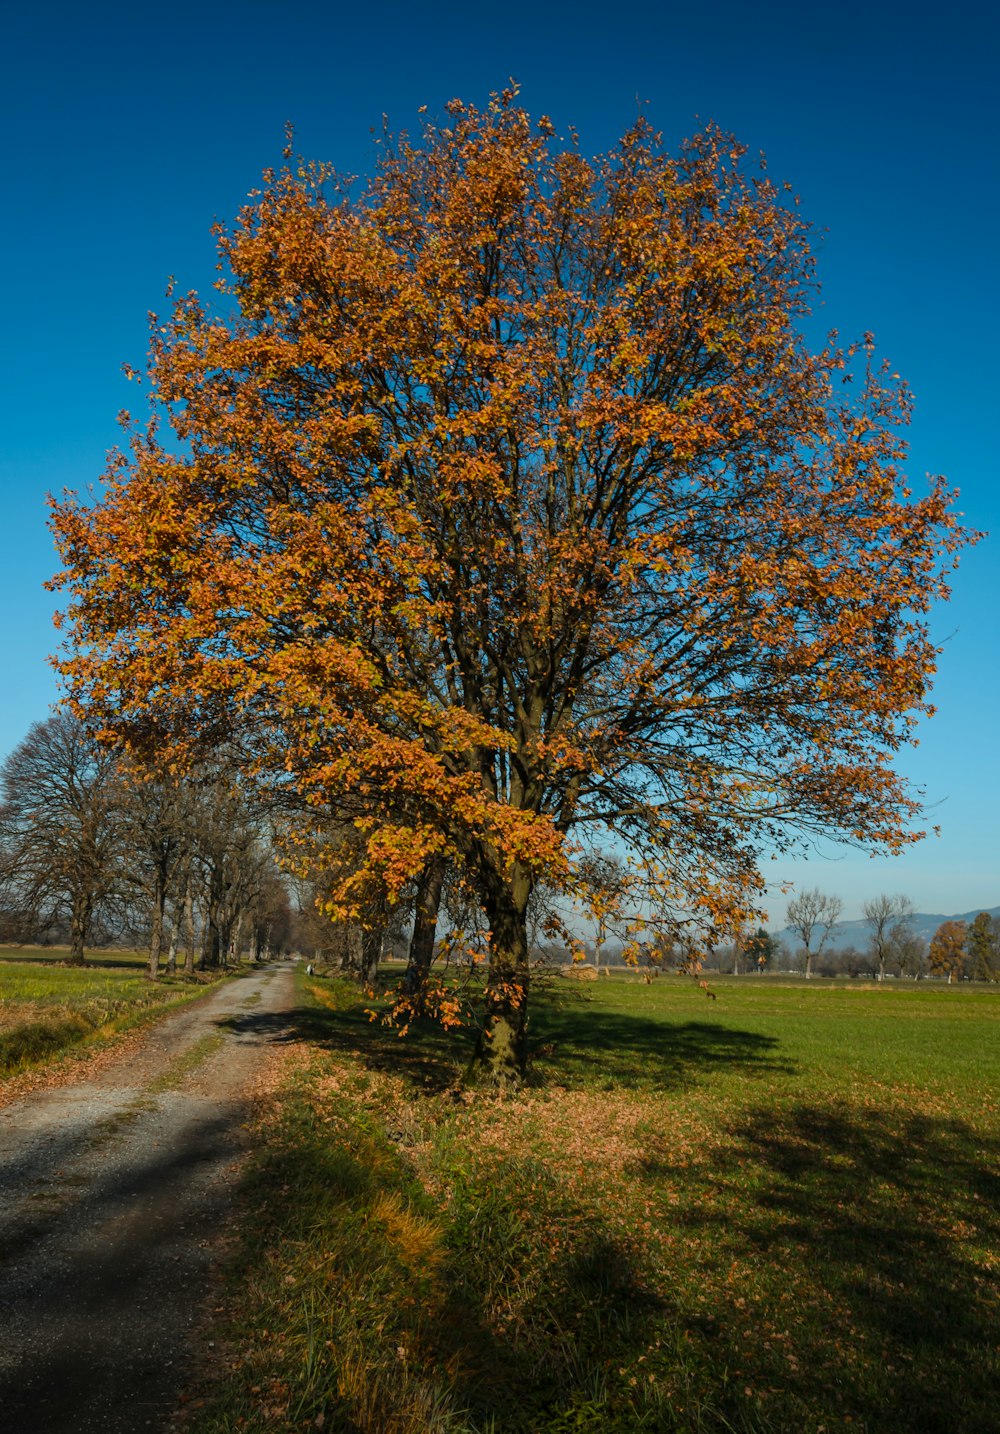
(79, 925)
(188, 928)
(156, 924)
(175, 931)
(500, 1060)
(421, 953)
(371, 951)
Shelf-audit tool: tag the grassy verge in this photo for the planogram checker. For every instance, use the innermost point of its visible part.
(47, 1009)
(778, 1210)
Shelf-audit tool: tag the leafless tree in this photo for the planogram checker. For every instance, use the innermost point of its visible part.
(886, 915)
(233, 860)
(908, 951)
(60, 830)
(812, 916)
(158, 815)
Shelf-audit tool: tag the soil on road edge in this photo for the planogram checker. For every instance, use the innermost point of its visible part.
(114, 1196)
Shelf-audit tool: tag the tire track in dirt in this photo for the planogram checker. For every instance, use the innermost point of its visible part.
(114, 1195)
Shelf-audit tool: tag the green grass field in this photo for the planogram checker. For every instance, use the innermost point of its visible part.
(58, 956)
(48, 1008)
(774, 1211)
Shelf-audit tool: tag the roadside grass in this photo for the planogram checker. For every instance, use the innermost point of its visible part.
(47, 1009)
(779, 1210)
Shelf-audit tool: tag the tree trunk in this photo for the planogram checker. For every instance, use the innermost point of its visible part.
(421, 954)
(188, 928)
(231, 936)
(371, 950)
(156, 926)
(222, 940)
(79, 922)
(175, 931)
(501, 1057)
(210, 941)
(347, 948)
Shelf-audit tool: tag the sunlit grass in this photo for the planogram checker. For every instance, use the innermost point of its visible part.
(47, 1008)
(100, 958)
(777, 1210)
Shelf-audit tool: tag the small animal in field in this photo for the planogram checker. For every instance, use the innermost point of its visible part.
(704, 986)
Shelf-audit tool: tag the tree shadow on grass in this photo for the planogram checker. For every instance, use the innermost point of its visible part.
(620, 1050)
(822, 1266)
(865, 1298)
(570, 1045)
(866, 1235)
(429, 1058)
(856, 1303)
(559, 1361)
(499, 1330)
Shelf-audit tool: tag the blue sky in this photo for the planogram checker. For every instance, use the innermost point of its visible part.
(128, 129)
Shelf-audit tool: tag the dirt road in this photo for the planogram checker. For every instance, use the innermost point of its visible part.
(113, 1194)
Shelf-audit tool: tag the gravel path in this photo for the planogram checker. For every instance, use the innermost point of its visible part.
(113, 1196)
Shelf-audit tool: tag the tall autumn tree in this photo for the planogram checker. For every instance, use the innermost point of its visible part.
(947, 954)
(507, 507)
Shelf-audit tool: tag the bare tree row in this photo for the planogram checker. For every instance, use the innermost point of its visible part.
(94, 847)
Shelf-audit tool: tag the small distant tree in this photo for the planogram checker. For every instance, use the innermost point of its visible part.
(606, 878)
(908, 951)
(751, 950)
(737, 953)
(885, 915)
(947, 955)
(853, 962)
(983, 947)
(761, 949)
(812, 916)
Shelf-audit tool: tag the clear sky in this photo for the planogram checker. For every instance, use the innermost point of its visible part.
(127, 129)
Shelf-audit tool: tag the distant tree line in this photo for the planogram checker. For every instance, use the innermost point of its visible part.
(957, 951)
(95, 849)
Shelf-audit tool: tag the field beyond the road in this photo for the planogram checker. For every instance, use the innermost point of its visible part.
(48, 1008)
(772, 1211)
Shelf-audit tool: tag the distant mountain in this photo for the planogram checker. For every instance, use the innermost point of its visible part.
(857, 933)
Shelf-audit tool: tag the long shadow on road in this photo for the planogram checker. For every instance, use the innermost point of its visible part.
(96, 1286)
